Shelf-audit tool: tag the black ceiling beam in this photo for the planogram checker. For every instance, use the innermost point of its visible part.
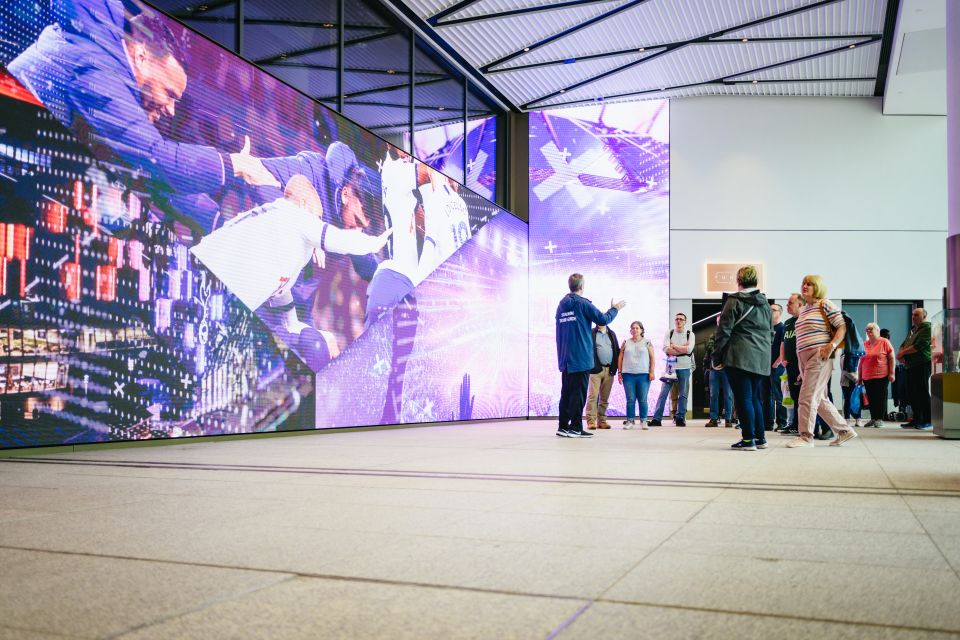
(886, 49)
(449, 11)
(653, 48)
(673, 45)
(202, 7)
(286, 22)
(385, 89)
(566, 32)
(330, 67)
(425, 124)
(420, 107)
(325, 47)
(704, 39)
(517, 12)
(725, 80)
(800, 80)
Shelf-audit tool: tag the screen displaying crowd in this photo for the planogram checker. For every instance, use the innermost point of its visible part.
(190, 247)
(599, 205)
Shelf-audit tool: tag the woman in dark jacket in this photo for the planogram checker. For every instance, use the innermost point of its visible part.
(743, 342)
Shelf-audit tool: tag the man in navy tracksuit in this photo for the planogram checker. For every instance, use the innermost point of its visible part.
(575, 314)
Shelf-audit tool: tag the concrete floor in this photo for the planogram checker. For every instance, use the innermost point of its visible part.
(495, 530)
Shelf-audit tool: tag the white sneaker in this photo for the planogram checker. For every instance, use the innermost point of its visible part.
(856, 422)
(643, 425)
(799, 442)
(878, 424)
(628, 424)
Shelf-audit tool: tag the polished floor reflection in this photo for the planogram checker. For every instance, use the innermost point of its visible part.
(492, 530)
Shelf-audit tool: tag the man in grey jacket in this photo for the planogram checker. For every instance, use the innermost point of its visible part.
(743, 342)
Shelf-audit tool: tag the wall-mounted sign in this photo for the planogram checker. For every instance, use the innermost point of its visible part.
(723, 276)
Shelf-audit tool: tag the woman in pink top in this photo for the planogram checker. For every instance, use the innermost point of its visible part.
(876, 373)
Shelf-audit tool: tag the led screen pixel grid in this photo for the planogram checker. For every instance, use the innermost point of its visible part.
(599, 205)
(202, 250)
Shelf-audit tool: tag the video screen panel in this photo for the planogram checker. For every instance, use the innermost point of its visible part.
(442, 148)
(186, 241)
(599, 205)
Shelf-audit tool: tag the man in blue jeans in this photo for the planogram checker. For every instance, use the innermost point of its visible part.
(678, 345)
(717, 380)
(575, 315)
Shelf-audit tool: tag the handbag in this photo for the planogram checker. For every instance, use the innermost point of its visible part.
(856, 398)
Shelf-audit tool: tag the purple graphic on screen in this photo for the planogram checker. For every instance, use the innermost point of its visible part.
(599, 205)
(454, 349)
(442, 149)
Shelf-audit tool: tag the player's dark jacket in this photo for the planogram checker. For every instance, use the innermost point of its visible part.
(78, 69)
(575, 314)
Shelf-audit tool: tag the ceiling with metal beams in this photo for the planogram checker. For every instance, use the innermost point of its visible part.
(539, 54)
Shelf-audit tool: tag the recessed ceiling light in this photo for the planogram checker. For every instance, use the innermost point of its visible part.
(754, 82)
(442, 108)
(853, 46)
(744, 39)
(563, 90)
(526, 48)
(642, 49)
(391, 71)
(327, 25)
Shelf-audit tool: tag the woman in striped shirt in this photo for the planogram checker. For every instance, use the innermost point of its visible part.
(820, 330)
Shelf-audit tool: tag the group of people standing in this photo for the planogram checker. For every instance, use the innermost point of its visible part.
(746, 359)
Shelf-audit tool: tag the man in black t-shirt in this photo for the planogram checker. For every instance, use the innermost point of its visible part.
(773, 411)
(788, 357)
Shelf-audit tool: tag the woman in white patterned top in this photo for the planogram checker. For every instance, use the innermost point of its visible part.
(820, 330)
(635, 372)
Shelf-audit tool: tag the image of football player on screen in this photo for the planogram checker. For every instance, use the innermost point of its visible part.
(111, 71)
(447, 221)
(260, 254)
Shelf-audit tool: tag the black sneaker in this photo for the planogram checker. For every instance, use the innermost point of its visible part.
(563, 433)
(711, 423)
(909, 425)
(826, 434)
(654, 423)
(743, 445)
(580, 434)
(679, 422)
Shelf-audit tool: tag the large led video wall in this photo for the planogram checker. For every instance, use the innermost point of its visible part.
(190, 247)
(599, 205)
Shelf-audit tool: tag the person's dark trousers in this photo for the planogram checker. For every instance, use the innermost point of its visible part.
(877, 397)
(847, 395)
(747, 398)
(918, 385)
(573, 398)
(794, 385)
(773, 411)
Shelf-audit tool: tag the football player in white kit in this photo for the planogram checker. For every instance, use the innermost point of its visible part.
(397, 276)
(430, 223)
(447, 221)
(260, 253)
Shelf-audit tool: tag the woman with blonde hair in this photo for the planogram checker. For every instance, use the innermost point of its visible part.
(876, 371)
(820, 330)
